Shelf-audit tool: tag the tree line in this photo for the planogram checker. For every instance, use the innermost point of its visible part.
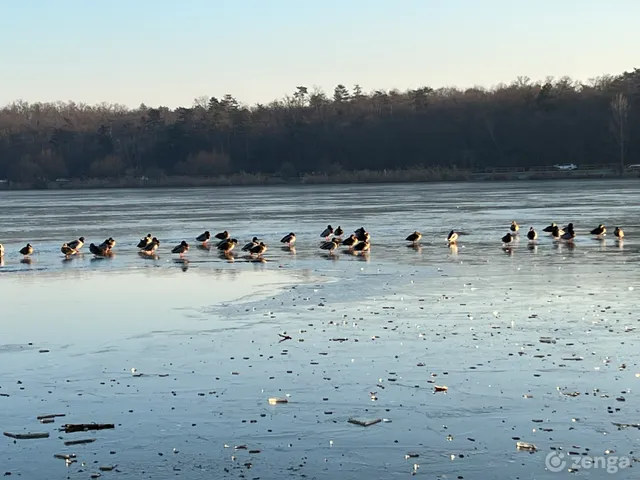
(522, 124)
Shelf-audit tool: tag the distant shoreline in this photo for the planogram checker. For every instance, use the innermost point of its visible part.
(362, 177)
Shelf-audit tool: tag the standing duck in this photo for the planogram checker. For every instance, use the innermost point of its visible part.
(99, 250)
(26, 250)
(556, 233)
(514, 227)
(452, 237)
(289, 239)
(326, 232)
(532, 234)
(144, 241)
(331, 245)
(223, 235)
(254, 241)
(203, 237)
(67, 250)
(599, 231)
(361, 234)
(76, 244)
(182, 248)
(550, 228)
(619, 234)
(414, 237)
(338, 232)
(108, 244)
(508, 238)
(570, 234)
(227, 245)
(258, 249)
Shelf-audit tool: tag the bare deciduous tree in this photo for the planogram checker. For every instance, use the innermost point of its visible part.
(620, 123)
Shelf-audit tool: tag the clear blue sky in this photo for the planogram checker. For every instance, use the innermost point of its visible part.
(167, 52)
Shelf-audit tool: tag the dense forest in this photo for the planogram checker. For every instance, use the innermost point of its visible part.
(522, 124)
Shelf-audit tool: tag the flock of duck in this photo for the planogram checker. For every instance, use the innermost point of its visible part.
(358, 242)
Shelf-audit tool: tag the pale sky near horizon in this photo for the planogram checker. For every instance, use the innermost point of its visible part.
(168, 52)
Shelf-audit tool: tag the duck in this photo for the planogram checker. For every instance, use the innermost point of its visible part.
(289, 239)
(362, 247)
(508, 238)
(76, 244)
(223, 235)
(350, 241)
(144, 241)
(152, 247)
(203, 237)
(619, 234)
(414, 237)
(182, 248)
(361, 234)
(331, 245)
(258, 249)
(550, 228)
(532, 234)
(227, 245)
(67, 250)
(109, 243)
(452, 237)
(338, 232)
(99, 250)
(570, 234)
(514, 227)
(26, 250)
(326, 232)
(556, 233)
(599, 231)
(254, 241)
(1, 250)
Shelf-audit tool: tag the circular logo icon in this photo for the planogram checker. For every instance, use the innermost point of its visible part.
(555, 462)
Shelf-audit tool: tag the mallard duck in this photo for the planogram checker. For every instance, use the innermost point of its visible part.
(182, 248)
(152, 247)
(67, 250)
(99, 250)
(619, 234)
(254, 241)
(289, 239)
(109, 243)
(203, 237)
(350, 241)
(331, 245)
(338, 232)
(514, 227)
(414, 237)
(76, 244)
(327, 231)
(362, 247)
(258, 249)
(569, 234)
(144, 241)
(26, 250)
(223, 235)
(600, 230)
(452, 237)
(361, 234)
(227, 245)
(508, 238)
(532, 234)
(550, 228)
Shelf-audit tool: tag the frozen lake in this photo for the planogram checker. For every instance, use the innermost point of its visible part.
(536, 344)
